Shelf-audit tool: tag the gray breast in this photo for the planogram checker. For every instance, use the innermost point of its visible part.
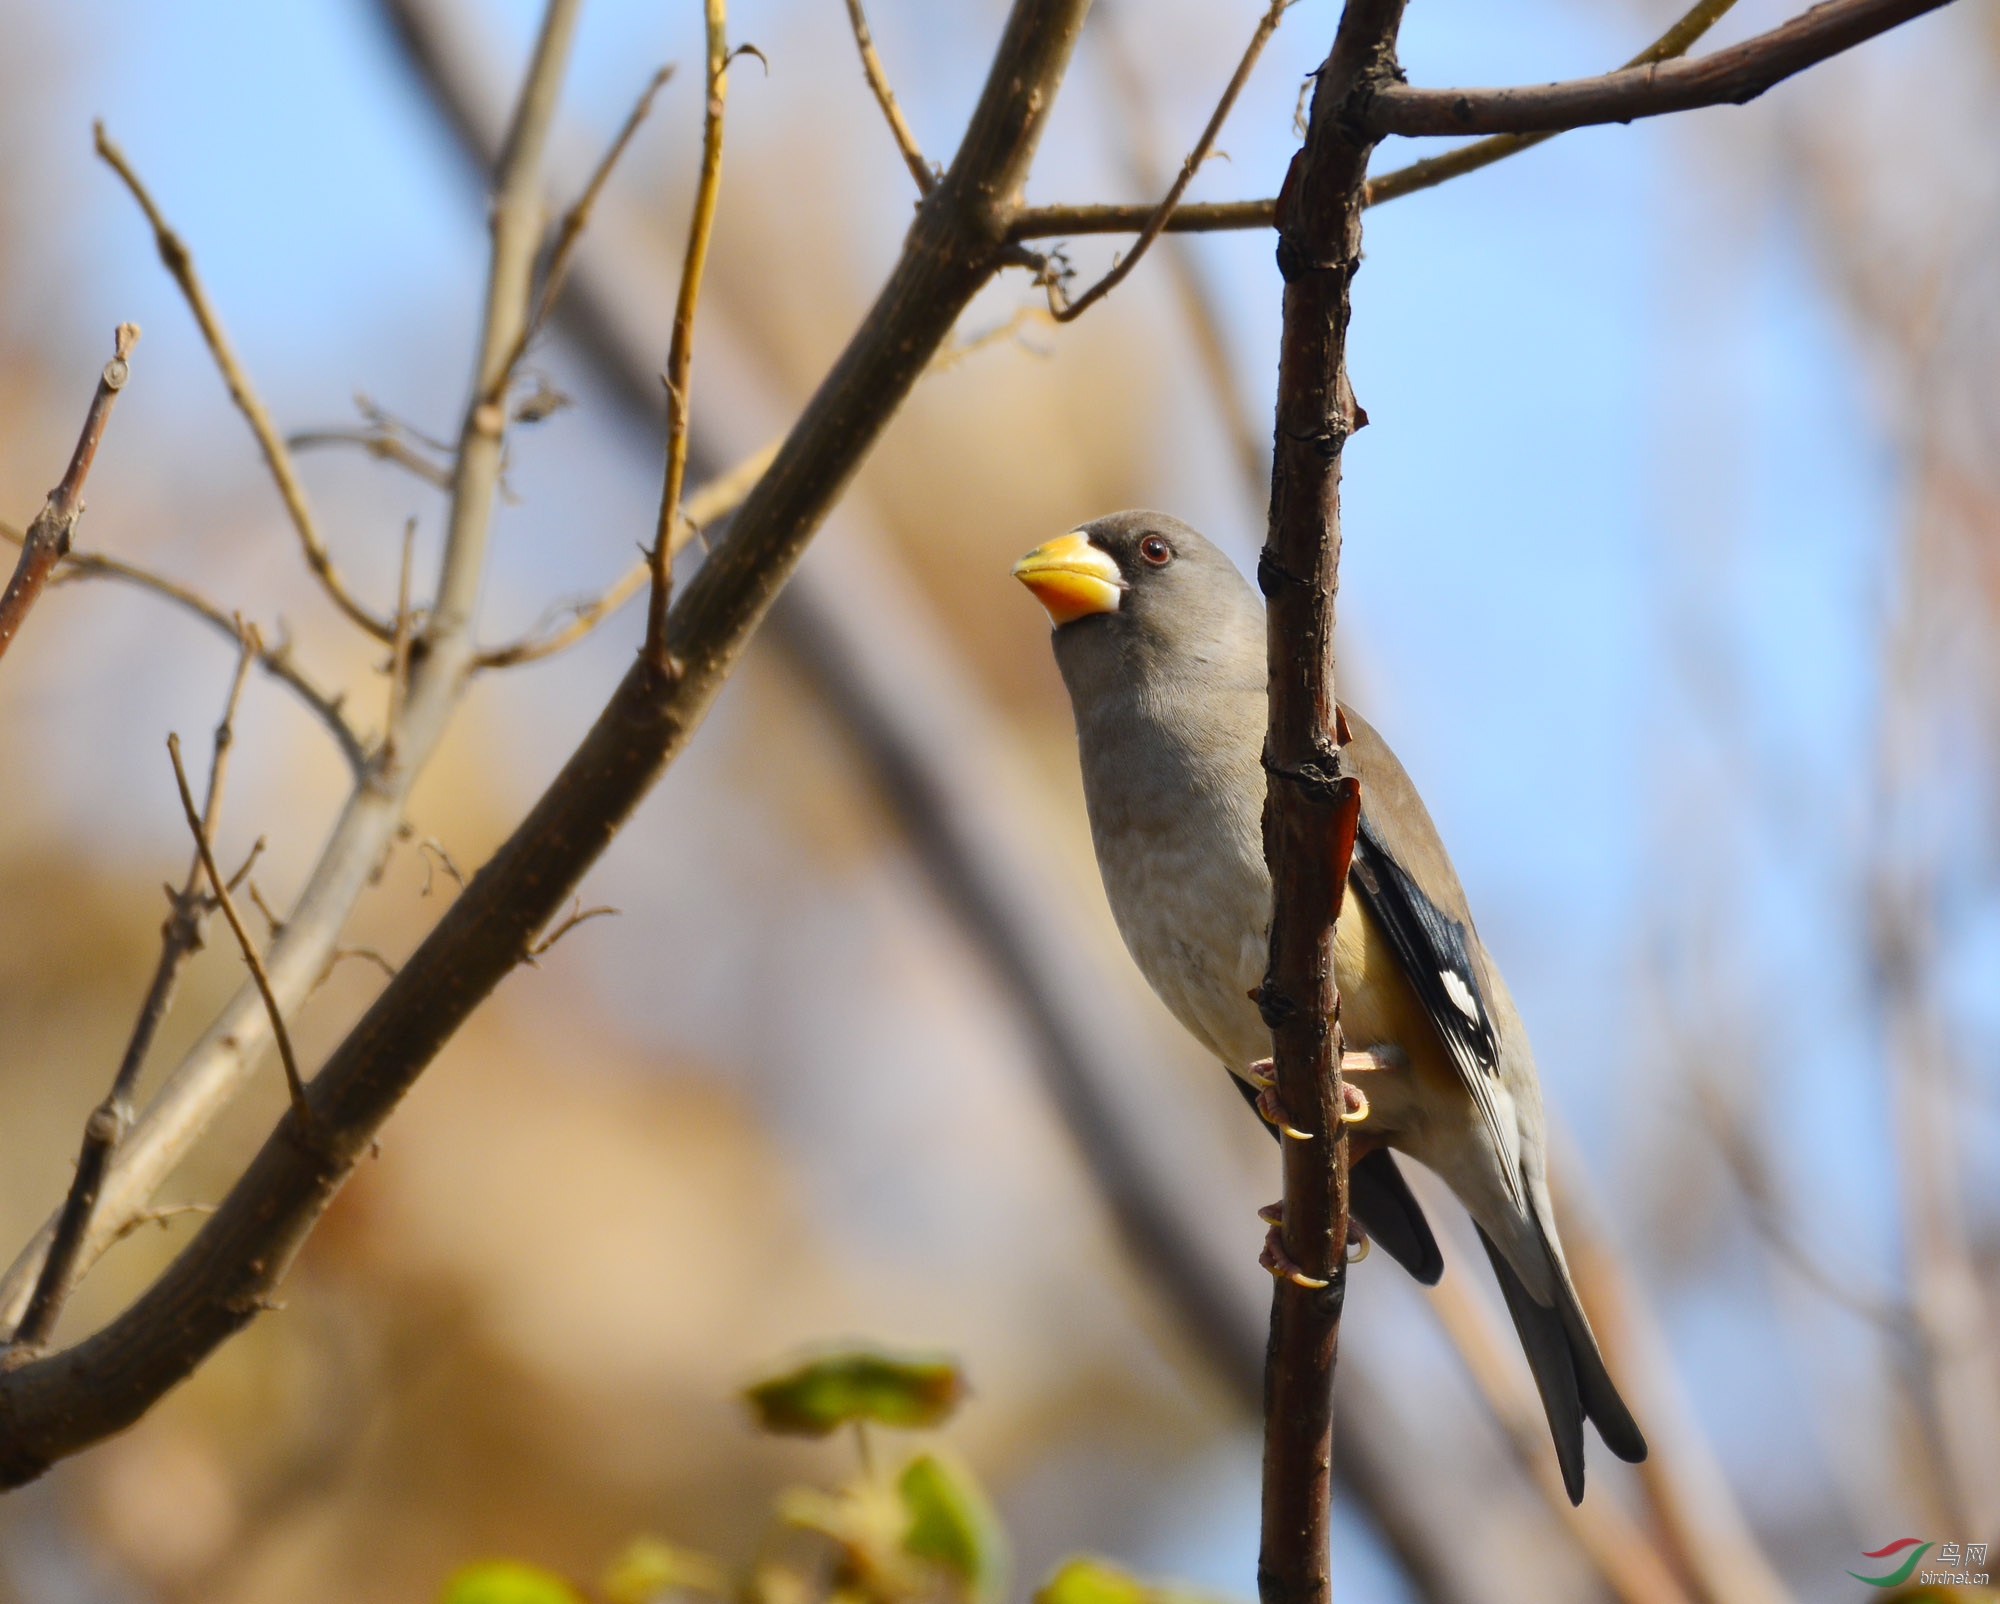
(1174, 788)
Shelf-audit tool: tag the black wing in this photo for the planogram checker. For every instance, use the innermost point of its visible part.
(1435, 955)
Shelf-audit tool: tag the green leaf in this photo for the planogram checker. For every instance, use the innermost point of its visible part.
(824, 1394)
(952, 1525)
(1086, 1579)
(507, 1581)
(1082, 1579)
(649, 1568)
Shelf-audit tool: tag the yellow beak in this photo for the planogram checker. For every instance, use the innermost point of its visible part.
(1071, 578)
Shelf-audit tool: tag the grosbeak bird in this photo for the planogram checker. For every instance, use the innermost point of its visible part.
(1161, 643)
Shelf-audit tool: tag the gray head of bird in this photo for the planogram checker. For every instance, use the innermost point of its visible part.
(1141, 590)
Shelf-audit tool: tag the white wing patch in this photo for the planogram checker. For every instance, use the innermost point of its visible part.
(1461, 994)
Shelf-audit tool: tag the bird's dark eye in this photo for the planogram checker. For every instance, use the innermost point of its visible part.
(1156, 551)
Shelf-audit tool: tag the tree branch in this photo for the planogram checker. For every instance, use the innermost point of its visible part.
(885, 97)
(680, 351)
(1734, 75)
(221, 1063)
(1066, 310)
(180, 940)
(715, 500)
(1310, 807)
(174, 254)
(1043, 222)
(274, 660)
(47, 540)
(55, 1406)
(570, 231)
(219, 890)
(1434, 170)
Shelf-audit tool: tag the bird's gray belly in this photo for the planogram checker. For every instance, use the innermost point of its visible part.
(1194, 914)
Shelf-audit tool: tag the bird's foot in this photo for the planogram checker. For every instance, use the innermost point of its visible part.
(1354, 1101)
(1268, 1106)
(1275, 1259)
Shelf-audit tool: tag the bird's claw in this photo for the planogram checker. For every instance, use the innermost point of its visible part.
(1354, 1102)
(1267, 1105)
(1275, 1259)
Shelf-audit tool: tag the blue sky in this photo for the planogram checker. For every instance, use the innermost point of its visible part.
(1620, 440)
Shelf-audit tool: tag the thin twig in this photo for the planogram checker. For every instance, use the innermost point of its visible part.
(433, 852)
(47, 540)
(379, 443)
(1247, 433)
(1434, 170)
(1733, 75)
(680, 353)
(274, 660)
(219, 889)
(1117, 217)
(714, 500)
(885, 97)
(399, 655)
(174, 254)
(576, 916)
(576, 220)
(180, 939)
(1201, 217)
(1065, 309)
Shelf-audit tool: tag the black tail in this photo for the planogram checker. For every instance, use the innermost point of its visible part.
(1569, 1372)
(1379, 1197)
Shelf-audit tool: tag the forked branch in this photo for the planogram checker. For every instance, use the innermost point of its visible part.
(277, 456)
(1730, 76)
(885, 97)
(180, 939)
(47, 540)
(1065, 309)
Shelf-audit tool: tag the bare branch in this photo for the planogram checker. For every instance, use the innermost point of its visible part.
(55, 1406)
(885, 97)
(1065, 309)
(577, 219)
(379, 443)
(180, 939)
(399, 655)
(680, 353)
(1196, 217)
(274, 660)
(716, 499)
(577, 915)
(1434, 170)
(174, 254)
(1734, 75)
(219, 889)
(47, 540)
(225, 1058)
(1311, 809)
(1045, 222)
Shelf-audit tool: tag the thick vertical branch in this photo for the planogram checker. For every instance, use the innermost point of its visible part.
(48, 537)
(1319, 248)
